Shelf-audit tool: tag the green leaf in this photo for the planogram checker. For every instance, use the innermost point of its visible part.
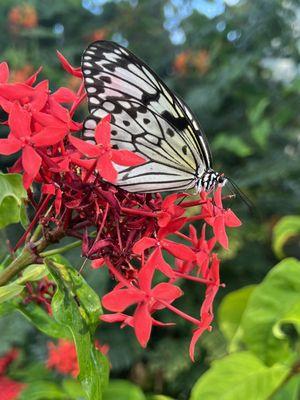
(289, 391)
(159, 397)
(230, 314)
(269, 305)
(32, 273)
(43, 321)
(123, 390)
(239, 376)
(286, 228)
(232, 144)
(77, 306)
(10, 291)
(43, 390)
(73, 389)
(255, 114)
(261, 131)
(292, 316)
(12, 194)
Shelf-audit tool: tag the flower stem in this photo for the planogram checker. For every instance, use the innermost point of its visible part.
(29, 255)
(194, 278)
(134, 211)
(182, 314)
(61, 250)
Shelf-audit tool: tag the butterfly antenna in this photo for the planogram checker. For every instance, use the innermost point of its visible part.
(83, 264)
(242, 195)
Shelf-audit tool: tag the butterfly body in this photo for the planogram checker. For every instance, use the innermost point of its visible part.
(147, 119)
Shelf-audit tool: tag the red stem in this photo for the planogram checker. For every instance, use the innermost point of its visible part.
(116, 273)
(194, 278)
(133, 211)
(183, 236)
(33, 222)
(180, 313)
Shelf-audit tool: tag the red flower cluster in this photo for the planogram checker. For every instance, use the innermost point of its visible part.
(63, 358)
(9, 389)
(129, 233)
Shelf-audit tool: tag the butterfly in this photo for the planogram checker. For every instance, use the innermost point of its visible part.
(148, 119)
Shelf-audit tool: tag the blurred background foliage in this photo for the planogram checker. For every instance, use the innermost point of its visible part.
(236, 63)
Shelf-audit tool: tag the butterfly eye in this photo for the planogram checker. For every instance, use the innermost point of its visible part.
(221, 179)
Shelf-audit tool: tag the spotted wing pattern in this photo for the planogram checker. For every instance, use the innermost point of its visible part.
(146, 118)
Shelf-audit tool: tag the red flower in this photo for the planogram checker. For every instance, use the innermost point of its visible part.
(103, 155)
(206, 311)
(10, 390)
(181, 251)
(218, 217)
(203, 249)
(147, 300)
(63, 357)
(68, 67)
(4, 72)
(22, 138)
(7, 359)
(170, 210)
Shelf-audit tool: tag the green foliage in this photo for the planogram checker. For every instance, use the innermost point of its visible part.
(270, 303)
(239, 376)
(256, 318)
(286, 228)
(10, 291)
(77, 306)
(230, 313)
(43, 321)
(12, 195)
(43, 390)
(123, 390)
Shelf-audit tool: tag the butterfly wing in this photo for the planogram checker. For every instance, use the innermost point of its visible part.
(147, 118)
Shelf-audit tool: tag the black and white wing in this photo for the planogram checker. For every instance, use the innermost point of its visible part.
(146, 118)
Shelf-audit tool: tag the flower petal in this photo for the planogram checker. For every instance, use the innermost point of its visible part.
(49, 135)
(88, 149)
(68, 67)
(166, 291)
(142, 324)
(119, 300)
(19, 121)
(106, 169)
(220, 232)
(126, 157)
(64, 95)
(31, 162)
(143, 244)
(102, 131)
(203, 326)
(178, 250)
(10, 145)
(231, 219)
(4, 72)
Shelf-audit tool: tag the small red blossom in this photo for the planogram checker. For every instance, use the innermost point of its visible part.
(62, 356)
(102, 153)
(68, 67)
(147, 300)
(217, 217)
(9, 389)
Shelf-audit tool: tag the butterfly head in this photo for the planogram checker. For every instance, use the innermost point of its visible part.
(210, 179)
